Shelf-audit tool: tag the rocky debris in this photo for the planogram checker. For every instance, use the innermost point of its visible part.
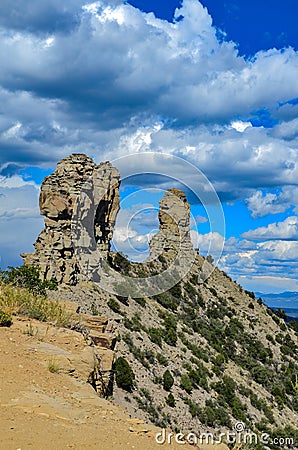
(94, 358)
(173, 237)
(54, 249)
(96, 323)
(102, 340)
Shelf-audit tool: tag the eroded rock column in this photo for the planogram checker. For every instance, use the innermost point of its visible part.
(54, 252)
(173, 237)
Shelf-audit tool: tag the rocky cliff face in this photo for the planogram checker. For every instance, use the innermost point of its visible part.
(80, 202)
(54, 252)
(228, 357)
(173, 236)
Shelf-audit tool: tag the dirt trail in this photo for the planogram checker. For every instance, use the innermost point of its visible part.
(54, 411)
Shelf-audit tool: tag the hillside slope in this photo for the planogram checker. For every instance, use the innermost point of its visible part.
(230, 357)
(195, 352)
(43, 409)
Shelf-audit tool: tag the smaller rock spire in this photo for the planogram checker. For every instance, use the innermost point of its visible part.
(173, 236)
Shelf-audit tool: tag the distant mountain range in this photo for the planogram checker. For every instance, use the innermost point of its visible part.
(288, 301)
(281, 295)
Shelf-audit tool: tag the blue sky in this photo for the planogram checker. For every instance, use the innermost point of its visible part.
(214, 83)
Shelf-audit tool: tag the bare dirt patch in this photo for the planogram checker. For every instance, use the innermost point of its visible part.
(43, 409)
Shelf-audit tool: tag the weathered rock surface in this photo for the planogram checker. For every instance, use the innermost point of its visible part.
(54, 250)
(209, 335)
(173, 237)
(80, 202)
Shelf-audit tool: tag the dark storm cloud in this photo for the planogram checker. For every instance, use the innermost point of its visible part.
(102, 87)
(40, 16)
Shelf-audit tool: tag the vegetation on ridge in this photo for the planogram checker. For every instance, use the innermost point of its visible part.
(202, 355)
(23, 293)
(27, 277)
(228, 357)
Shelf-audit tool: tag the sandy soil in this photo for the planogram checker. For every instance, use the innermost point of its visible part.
(44, 410)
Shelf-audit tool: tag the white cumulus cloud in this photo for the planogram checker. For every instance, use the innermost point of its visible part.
(287, 229)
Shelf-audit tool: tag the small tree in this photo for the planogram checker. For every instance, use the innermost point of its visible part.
(209, 259)
(124, 374)
(186, 383)
(170, 400)
(28, 277)
(168, 380)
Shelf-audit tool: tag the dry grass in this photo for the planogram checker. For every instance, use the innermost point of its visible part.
(19, 301)
(53, 365)
(29, 330)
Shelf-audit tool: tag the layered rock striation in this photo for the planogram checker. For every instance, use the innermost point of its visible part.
(173, 237)
(80, 202)
(54, 250)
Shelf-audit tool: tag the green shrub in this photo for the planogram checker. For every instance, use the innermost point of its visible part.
(198, 376)
(194, 408)
(200, 300)
(157, 380)
(170, 326)
(155, 335)
(250, 294)
(293, 324)
(175, 291)
(133, 324)
(5, 319)
(186, 384)
(114, 305)
(149, 355)
(226, 388)
(239, 409)
(33, 313)
(199, 352)
(213, 291)
(162, 359)
(217, 313)
(124, 374)
(146, 356)
(209, 259)
(166, 300)
(167, 380)
(276, 319)
(261, 374)
(53, 366)
(280, 313)
(170, 400)
(270, 338)
(214, 415)
(120, 263)
(194, 279)
(257, 350)
(122, 299)
(279, 393)
(141, 301)
(170, 336)
(191, 291)
(162, 259)
(28, 277)
(219, 361)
